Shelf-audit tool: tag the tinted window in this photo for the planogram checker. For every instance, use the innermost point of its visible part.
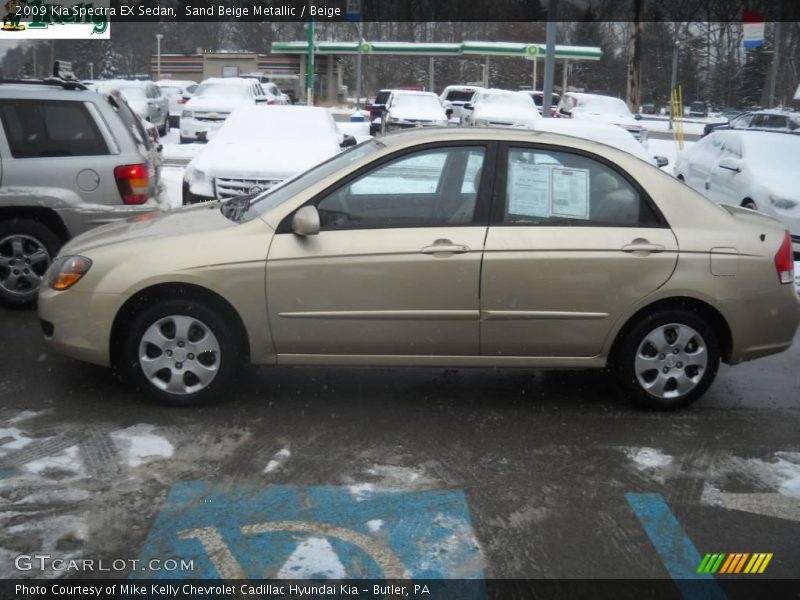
(544, 187)
(39, 128)
(434, 187)
(382, 97)
(459, 96)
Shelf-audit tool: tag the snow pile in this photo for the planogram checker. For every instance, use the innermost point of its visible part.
(138, 444)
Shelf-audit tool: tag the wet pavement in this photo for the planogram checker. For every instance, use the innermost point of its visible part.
(328, 472)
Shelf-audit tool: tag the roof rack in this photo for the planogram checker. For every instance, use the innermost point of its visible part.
(54, 81)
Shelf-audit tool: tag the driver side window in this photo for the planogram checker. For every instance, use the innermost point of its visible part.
(429, 188)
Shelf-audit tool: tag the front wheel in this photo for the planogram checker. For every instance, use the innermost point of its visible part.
(181, 352)
(668, 360)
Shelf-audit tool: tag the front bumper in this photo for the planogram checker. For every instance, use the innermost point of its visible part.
(191, 128)
(79, 323)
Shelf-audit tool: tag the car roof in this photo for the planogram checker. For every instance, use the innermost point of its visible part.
(482, 134)
(37, 91)
(411, 93)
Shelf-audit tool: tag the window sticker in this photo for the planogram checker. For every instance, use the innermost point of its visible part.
(529, 190)
(570, 195)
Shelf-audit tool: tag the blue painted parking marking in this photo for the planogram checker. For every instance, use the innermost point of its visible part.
(676, 550)
(7, 472)
(297, 532)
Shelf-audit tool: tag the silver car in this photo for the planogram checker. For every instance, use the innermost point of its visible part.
(70, 160)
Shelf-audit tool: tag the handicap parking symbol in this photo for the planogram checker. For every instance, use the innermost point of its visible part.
(319, 532)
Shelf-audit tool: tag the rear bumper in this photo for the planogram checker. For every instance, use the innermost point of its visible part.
(78, 221)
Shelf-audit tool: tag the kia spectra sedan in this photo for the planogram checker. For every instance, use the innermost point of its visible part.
(441, 248)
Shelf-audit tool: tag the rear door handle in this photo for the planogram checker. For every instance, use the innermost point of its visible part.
(643, 247)
(445, 247)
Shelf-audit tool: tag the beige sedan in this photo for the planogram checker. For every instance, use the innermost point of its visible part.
(440, 248)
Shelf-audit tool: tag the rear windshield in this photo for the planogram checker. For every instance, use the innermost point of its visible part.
(382, 97)
(46, 128)
(459, 96)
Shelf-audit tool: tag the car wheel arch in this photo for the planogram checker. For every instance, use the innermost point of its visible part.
(46, 216)
(150, 295)
(705, 310)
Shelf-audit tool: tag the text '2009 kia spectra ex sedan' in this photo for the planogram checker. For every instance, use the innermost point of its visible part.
(443, 247)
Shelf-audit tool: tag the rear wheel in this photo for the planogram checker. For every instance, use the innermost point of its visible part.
(181, 352)
(668, 360)
(26, 250)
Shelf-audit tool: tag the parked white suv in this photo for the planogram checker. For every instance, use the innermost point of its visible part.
(456, 96)
(144, 97)
(501, 108)
(212, 102)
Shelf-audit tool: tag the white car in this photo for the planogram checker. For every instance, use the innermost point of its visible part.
(538, 100)
(176, 91)
(611, 135)
(144, 98)
(501, 108)
(601, 109)
(212, 102)
(258, 148)
(412, 109)
(754, 169)
(456, 96)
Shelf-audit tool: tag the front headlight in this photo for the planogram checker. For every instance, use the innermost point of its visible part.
(186, 114)
(68, 271)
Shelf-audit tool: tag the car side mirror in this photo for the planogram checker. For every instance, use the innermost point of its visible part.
(305, 221)
(731, 164)
(348, 141)
(661, 161)
(564, 111)
(468, 106)
(638, 117)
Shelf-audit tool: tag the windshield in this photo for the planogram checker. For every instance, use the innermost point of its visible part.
(516, 100)
(220, 90)
(604, 104)
(416, 101)
(282, 192)
(382, 97)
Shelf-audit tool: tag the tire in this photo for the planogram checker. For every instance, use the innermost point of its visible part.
(26, 250)
(748, 203)
(691, 359)
(176, 334)
(164, 129)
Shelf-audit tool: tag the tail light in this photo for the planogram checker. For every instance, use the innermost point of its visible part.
(784, 261)
(132, 183)
(270, 101)
(182, 100)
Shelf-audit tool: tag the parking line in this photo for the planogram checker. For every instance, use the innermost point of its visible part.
(676, 550)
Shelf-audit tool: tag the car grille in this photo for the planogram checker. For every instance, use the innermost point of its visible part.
(211, 116)
(227, 187)
(500, 123)
(796, 239)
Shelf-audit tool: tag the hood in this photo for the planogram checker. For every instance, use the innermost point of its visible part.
(216, 104)
(190, 220)
(502, 113)
(261, 160)
(780, 183)
(418, 114)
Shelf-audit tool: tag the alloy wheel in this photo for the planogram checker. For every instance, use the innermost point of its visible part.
(671, 361)
(23, 262)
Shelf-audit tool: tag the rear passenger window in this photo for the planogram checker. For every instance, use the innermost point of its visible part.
(550, 188)
(46, 128)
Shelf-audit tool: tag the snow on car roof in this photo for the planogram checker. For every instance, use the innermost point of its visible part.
(604, 133)
(228, 81)
(262, 123)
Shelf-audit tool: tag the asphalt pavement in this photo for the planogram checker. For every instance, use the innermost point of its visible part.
(334, 472)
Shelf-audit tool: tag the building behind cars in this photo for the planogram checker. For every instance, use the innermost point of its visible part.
(70, 159)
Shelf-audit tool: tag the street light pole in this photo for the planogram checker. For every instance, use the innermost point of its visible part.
(91, 70)
(358, 63)
(549, 59)
(159, 36)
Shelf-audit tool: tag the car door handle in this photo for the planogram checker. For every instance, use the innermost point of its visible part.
(445, 246)
(643, 246)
